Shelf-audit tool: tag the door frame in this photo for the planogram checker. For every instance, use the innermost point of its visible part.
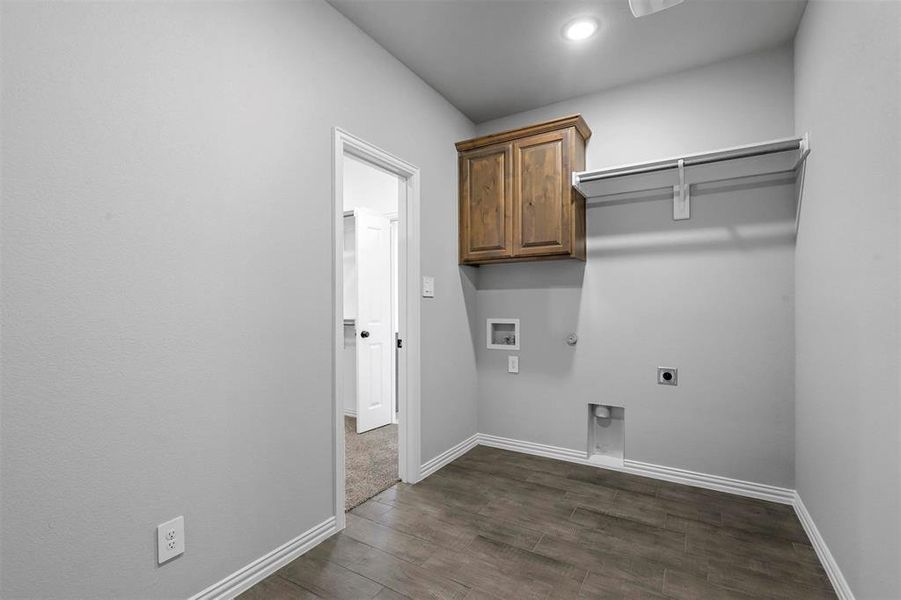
(408, 357)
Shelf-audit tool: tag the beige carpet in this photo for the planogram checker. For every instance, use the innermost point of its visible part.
(370, 462)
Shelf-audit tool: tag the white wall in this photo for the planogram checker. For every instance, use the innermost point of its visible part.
(367, 186)
(349, 353)
(847, 78)
(166, 305)
(349, 374)
(712, 296)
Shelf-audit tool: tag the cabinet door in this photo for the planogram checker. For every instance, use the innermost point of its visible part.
(486, 199)
(542, 201)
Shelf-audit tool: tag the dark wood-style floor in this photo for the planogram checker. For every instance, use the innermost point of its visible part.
(496, 524)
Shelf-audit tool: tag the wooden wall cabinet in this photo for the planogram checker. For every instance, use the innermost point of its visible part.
(516, 196)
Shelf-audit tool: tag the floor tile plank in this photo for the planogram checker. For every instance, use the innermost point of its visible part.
(683, 586)
(783, 586)
(497, 525)
(403, 546)
(391, 572)
(329, 580)
(277, 588)
(606, 587)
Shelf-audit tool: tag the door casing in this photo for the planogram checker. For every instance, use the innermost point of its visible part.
(408, 356)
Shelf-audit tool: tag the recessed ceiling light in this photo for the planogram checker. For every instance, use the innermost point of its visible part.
(580, 29)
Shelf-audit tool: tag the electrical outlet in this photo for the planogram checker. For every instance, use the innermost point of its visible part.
(512, 364)
(667, 376)
(170, 539)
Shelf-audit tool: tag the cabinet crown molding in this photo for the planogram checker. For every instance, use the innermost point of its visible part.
(512, 134)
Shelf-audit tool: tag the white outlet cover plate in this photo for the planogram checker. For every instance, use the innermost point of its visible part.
(512, 364)
(170, 539)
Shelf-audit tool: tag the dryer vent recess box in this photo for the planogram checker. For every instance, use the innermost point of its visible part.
(503, 334)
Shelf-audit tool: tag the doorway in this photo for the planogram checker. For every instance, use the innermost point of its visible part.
(376, 358)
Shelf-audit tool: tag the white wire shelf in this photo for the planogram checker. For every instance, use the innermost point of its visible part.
(612, 184)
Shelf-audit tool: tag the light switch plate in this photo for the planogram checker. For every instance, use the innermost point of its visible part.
(512, 364)
(170, 539)
(428, 287)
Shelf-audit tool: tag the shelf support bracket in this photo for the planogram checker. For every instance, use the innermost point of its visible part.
(681, 196)
(800, 172)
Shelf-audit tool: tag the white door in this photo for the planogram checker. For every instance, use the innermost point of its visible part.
(374, 332)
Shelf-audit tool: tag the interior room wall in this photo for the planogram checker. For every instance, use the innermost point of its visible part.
(349, 352)
(713, 296)
(350, 371)
(847, 80)
(166, 305)
(367, 186)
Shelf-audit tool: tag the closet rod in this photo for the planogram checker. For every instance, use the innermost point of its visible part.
(697, 159)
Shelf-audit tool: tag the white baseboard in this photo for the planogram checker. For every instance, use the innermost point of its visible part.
(447, 456)
(703, 480)
(350, 412)
(264, 566)
(750, 489)
(532, 448)
(842, 589)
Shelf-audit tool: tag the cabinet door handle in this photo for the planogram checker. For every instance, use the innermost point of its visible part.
(364, 334)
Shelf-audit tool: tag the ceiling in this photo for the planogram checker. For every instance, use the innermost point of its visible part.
(492, 58)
